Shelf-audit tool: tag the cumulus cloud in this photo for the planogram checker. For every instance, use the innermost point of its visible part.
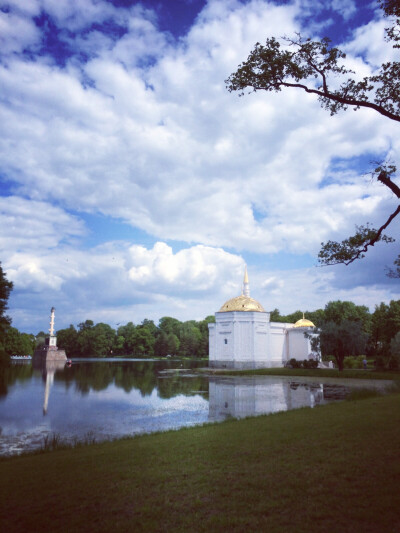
(138, 126)
(16, 32)
(29, 224)
(193, 269)
(118, 282)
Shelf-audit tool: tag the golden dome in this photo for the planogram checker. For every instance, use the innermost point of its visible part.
(242, 303)
(304, 323)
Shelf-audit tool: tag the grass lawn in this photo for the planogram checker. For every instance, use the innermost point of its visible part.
(315, 372)
(329, 469)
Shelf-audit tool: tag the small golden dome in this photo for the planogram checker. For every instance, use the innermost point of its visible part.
(304, 323)
(242, 303)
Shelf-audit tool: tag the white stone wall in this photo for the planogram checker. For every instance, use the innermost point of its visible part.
(211, 341)
(243, 339)
(278, 344)
(238, 338)
(299, 346)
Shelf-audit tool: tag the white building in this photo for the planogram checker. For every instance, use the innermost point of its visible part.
(243, 336)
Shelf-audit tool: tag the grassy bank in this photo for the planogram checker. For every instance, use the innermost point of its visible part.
(334, 468)
(315, 372)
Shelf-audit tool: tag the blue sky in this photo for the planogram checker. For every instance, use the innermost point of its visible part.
(134, 186)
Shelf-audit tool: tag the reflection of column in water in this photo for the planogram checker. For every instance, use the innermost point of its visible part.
(48, 370)
(49, 383)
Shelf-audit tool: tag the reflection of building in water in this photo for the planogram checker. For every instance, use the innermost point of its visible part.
(335, 392)
(48, 369)
(239, 397)
(243, 336)
(50, 352)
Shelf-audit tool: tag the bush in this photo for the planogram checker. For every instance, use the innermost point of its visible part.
(354, 362)
(386, 358)
(307, 363)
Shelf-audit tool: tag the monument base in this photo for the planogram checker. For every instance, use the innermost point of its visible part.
(45, 354)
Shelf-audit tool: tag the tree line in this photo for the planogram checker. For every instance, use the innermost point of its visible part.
(346, 329)
(169, 337)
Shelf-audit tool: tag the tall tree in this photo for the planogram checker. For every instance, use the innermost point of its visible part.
(395, 350)
(16, 343)
(190, 339)
(5, 290)
(341, 340)
(307, 65)
(103, 340)
(385, 326)
(338, 311)
(67, 339)
(161, 344)
(5, 321)
(170, 325)
(128, 333)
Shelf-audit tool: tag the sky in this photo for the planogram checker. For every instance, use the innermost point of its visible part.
(134, 186)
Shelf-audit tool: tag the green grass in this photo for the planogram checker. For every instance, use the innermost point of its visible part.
(329, 469)
(317, 372)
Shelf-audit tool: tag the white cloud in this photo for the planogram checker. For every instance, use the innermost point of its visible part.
(16, 33)
(140, 128)
(194, 269)
(369, 41)
(117, 282)
(311, 8)
(76, 14)
(29, 225)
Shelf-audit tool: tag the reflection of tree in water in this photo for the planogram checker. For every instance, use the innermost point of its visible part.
(139, 375)
(172, 386)
(90, 376)
(12, 374)
(330, 391)
(335, 392)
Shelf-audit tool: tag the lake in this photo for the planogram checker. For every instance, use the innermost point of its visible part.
(103, 399)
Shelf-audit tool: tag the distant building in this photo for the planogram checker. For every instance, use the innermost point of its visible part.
(243, 336)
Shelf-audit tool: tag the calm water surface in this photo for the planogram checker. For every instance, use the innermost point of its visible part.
(105, 399)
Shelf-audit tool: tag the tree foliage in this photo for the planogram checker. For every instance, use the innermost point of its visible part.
(170, 337)
(5, 290)
(339, 311)
(340, 340)
(16, 343)
(395, 349)
(385, 327)
(310, 66)
(5, 321)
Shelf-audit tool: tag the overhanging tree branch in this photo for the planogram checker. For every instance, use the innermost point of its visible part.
(307, 65)
(355, 247)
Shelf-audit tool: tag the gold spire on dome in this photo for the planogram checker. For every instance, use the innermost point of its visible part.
(246, 284)
(243, 302)
(304, 323)
(246, 276)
